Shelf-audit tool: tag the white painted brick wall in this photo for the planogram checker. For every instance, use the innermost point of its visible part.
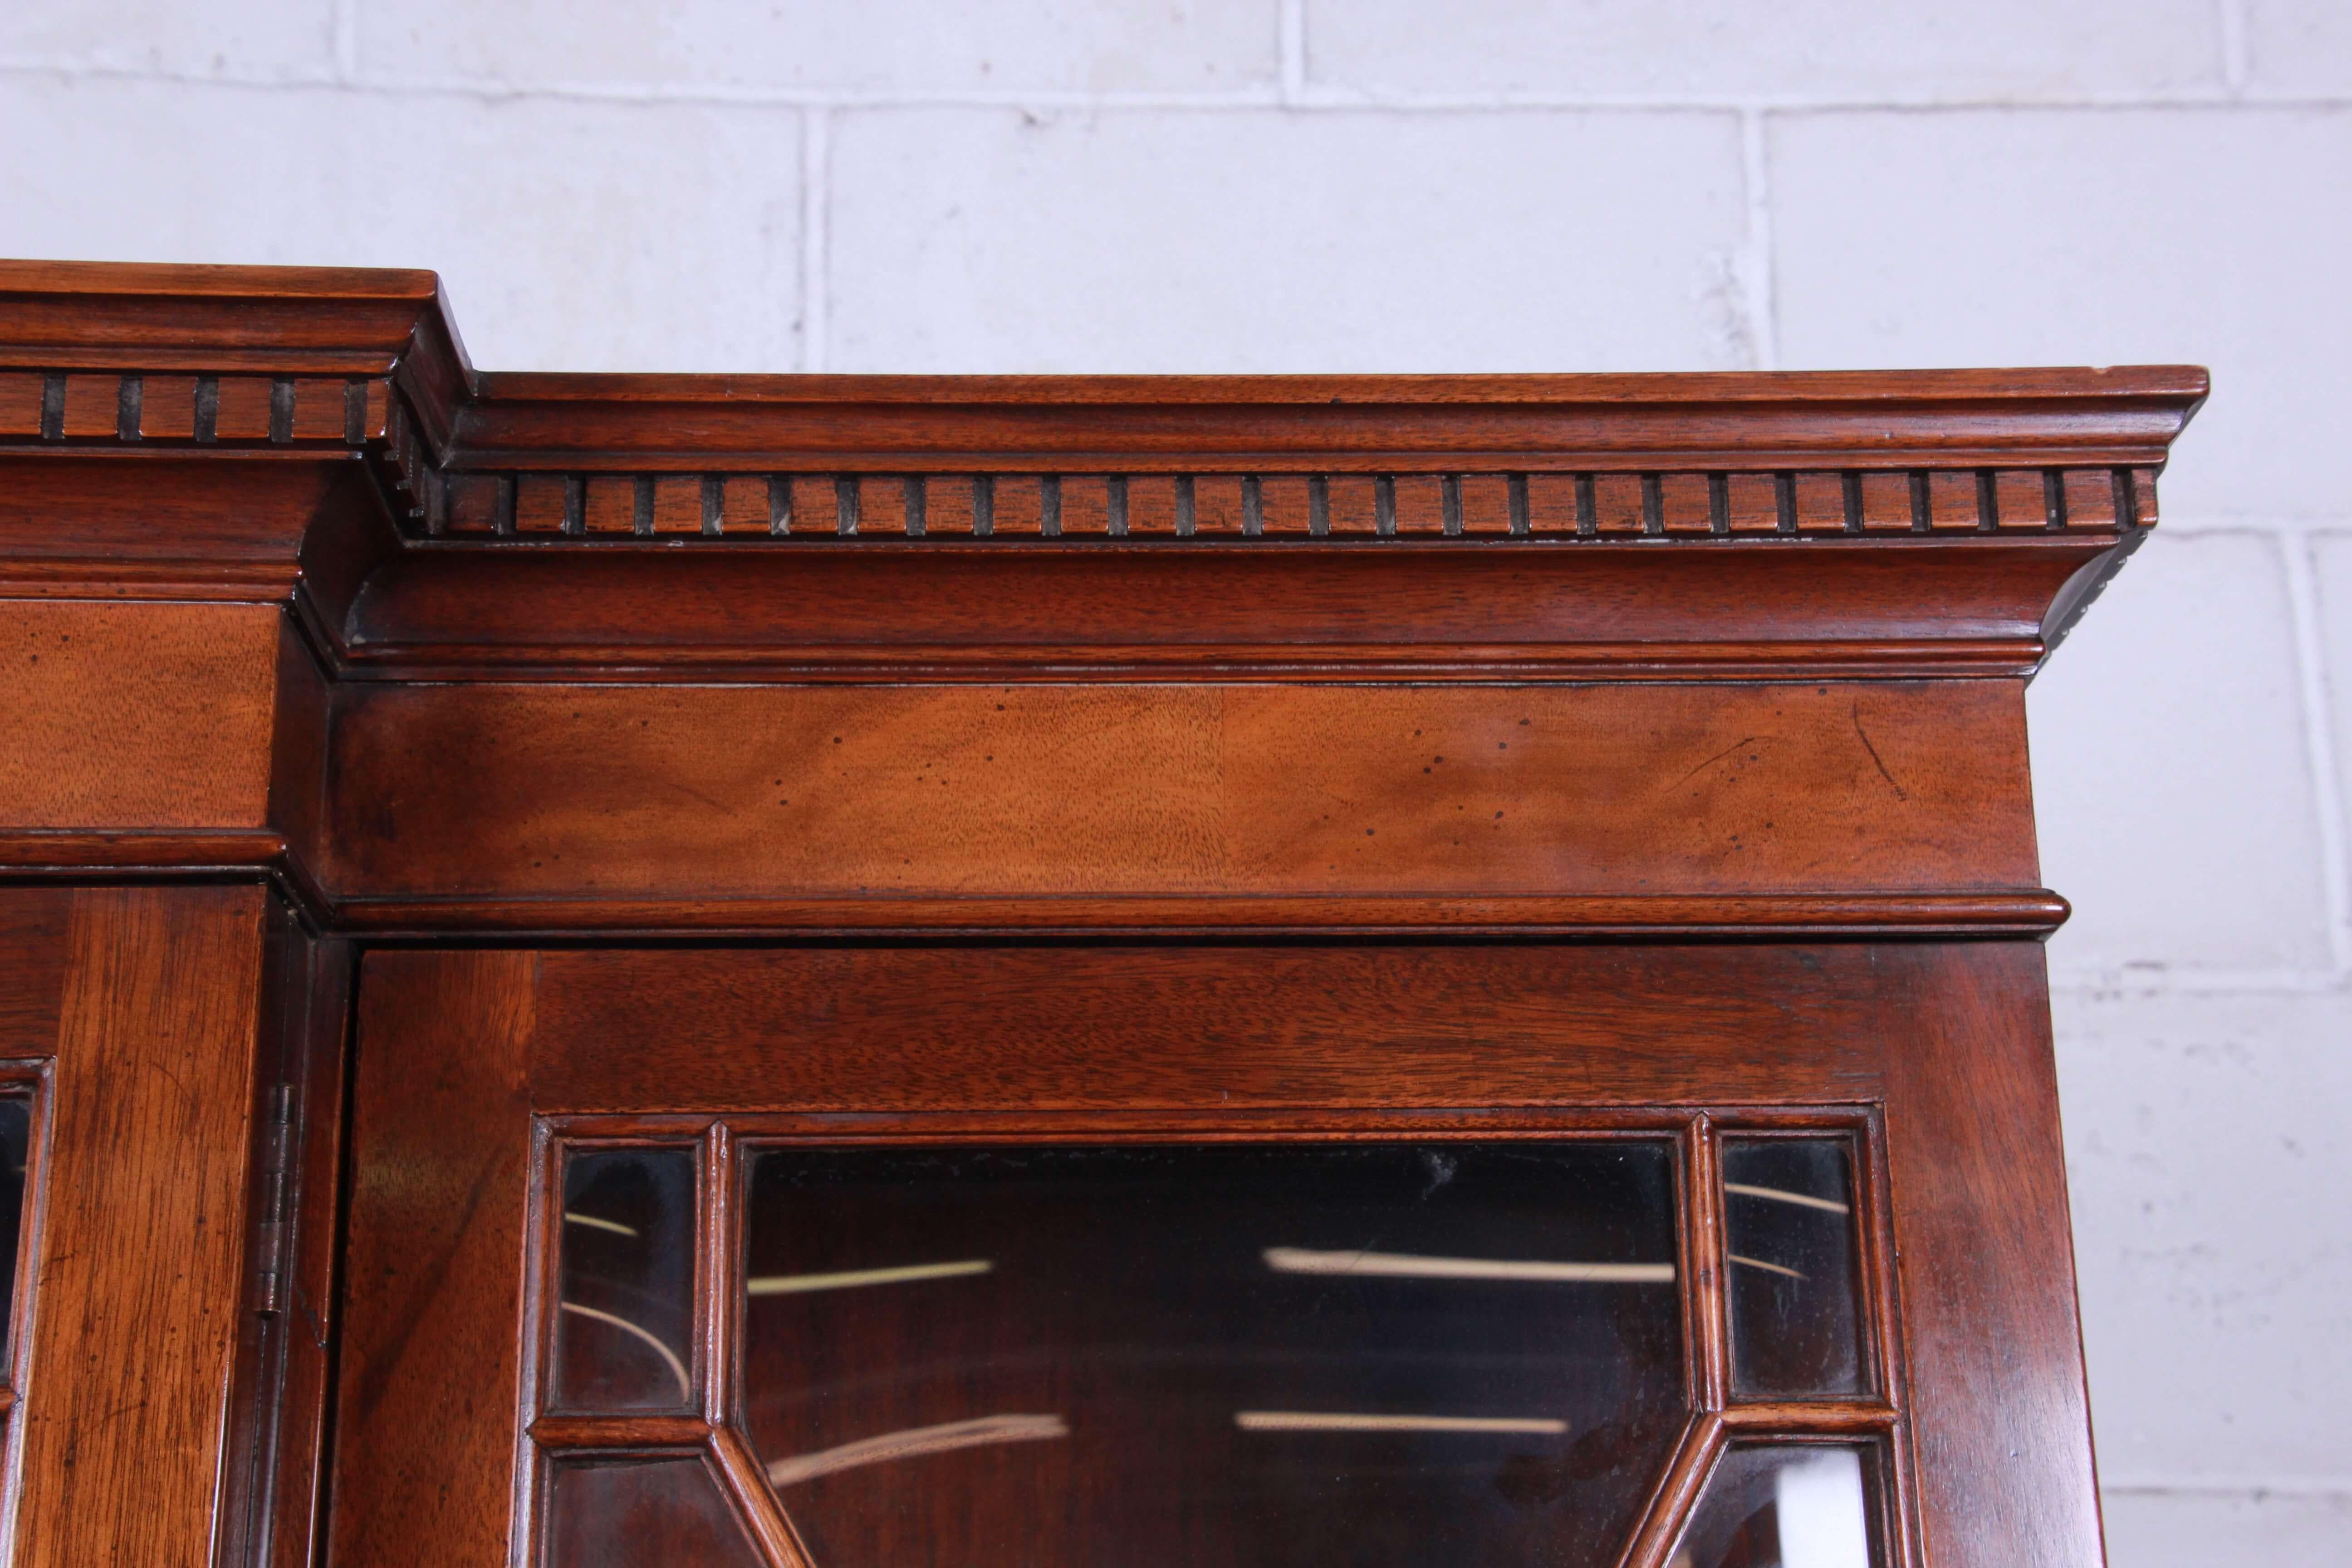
(1316, 184)
(1799, 51)
(2193, 645)
(1263, 240)
(2223, 1362)
(880, 48)
(2298, 48)
(593, 234)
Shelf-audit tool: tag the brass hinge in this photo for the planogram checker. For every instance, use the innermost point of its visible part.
(276, 1176)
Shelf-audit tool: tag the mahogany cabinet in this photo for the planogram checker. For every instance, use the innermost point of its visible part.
(880, 970)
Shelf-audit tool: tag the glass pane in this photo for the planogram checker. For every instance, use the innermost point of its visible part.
(641, 1514)
(1383, 1353)
(15, 1144)
(1787, 1506)
(1794, 1286)
(625, 1322)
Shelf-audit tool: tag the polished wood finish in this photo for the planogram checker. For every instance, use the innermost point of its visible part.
(836, 796)
(1127, 1044)
(132, 718)
(1984, 1234)
(142, 1240)
(917, 759)
(432, 1284)
(1424, 609)
(299, 1192)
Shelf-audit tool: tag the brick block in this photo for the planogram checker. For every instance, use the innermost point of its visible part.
(2175, 791)
(237, 40)
(2332, 560)
(2211, 1194)
(570, 243)
(977, 239)
(1838, 49)
(2165, 1527)
(2299, 46)
(915, 47)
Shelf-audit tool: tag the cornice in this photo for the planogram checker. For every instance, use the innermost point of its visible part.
(479, 568)
(508, 502)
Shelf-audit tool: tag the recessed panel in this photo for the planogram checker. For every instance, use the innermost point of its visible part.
(1243, 1353)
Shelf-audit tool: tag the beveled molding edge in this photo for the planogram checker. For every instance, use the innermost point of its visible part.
(97, 355)
(1589, 494)
(46, 855)
(2034, 912)
(479, 526)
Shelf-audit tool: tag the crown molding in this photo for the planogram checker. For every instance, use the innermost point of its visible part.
(320, 438)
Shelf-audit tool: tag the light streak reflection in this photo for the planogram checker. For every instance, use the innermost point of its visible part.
(1341, 1421)
(854, 1279)
(1407, 1265)
(915, 1441)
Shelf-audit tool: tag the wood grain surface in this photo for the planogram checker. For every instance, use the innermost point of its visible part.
(135, 716)
(427, 1406)
(227, 526)
(34, 924)
(785, 792)
(290, 1531)
(874, 1031)
(2001, 1415)
(139, 1269)
(1425, 609)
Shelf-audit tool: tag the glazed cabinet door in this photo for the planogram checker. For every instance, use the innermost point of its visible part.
(1510, 1256)
(133, 1034)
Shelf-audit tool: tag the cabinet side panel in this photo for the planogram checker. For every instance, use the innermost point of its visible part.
(1986, 1264)
(426, 1398)
(136, 1308)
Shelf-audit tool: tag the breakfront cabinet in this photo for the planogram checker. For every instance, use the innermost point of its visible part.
(864, 972)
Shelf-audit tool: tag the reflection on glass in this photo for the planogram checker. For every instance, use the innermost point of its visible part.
(624, 1318)
(1232, 1354)
(15, 1144)
(1790, 1267)
(641, 1514)
(1782, 1506)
